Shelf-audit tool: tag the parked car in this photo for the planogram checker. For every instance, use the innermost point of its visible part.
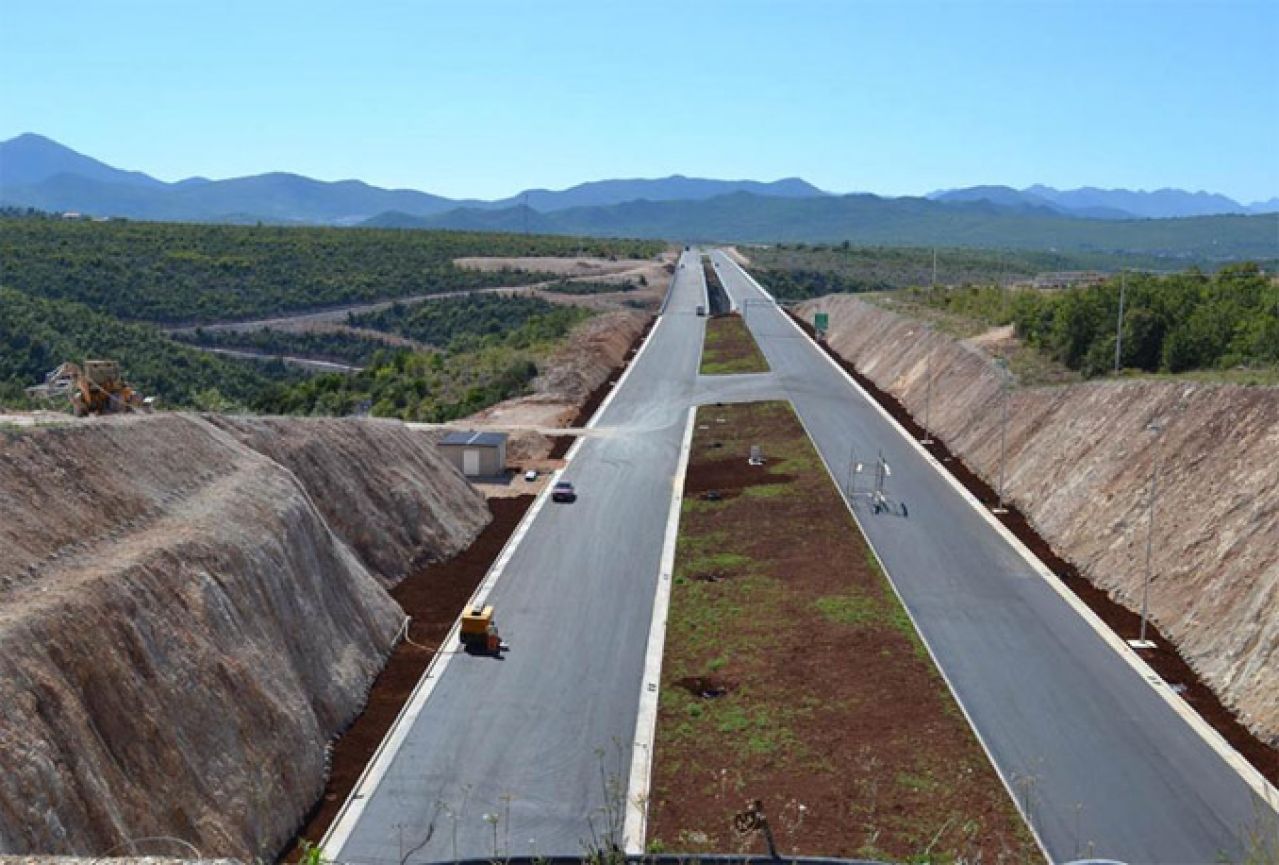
(530, 475)
(563, 492)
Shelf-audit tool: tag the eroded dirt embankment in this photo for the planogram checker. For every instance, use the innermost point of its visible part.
(1079, 465)
(182, 630)
(568, 381)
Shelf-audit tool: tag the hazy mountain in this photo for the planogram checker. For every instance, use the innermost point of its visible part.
(1109, 203)
(1158, 204)
(38, 172)
(674, 188)
(870, 220)
(1027, 198)
(31, 159)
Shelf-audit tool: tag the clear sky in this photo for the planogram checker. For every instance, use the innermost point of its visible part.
(483, 99)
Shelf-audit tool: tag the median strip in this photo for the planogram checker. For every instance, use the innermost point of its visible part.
(729, 347)
(793, 676)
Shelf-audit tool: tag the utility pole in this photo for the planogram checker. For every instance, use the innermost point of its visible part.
(1141, 642)
(1002, 364)
(928, 400)
(1119, 326)
(934, 267)
(526, 214)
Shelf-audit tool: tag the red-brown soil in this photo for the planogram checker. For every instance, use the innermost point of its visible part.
(433, 597)
(1163, 659)
(798, 679)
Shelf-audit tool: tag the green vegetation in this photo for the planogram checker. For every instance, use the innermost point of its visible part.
(801, 271)
(593, 287)
(1187, 321)
(332, 345)
(729, 348)
(463, 322)
(37, 335)
(478, 367)
(176, 273)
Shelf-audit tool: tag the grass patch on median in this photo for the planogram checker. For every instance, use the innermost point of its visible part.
(729, 347)
(793, 675)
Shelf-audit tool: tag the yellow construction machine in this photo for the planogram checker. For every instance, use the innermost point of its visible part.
(97, 388)
(479, 632)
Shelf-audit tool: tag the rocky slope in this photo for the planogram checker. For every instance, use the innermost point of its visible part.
(181, 629)
(1080, 459)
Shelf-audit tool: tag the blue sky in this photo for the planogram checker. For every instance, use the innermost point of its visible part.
(484, 99)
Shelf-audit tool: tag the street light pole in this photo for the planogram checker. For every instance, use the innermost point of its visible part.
(928, 401)
(1141, 642)
(1150, 539)
(1002, 363)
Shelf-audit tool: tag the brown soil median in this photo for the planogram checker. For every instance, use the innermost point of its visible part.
(792, 675)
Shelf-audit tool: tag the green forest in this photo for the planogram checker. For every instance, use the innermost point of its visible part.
(1172, 323)
(460, 323)
(330, 345)
(491, 354)
(173, 273)
(593, 287)
(37, 335)
(490, 350)
(800, 271)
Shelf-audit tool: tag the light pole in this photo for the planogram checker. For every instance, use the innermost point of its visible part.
(1119, 325)
(1002, 363)
(1141, 642)
(854, 469)
(928, 400)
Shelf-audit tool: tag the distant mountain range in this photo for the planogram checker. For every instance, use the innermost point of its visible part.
(38, 172)
(871, 220)
(1095, 203)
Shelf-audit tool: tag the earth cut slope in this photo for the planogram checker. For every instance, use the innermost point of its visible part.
(182, 631)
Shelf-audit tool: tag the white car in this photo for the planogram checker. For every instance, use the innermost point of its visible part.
(530, 475)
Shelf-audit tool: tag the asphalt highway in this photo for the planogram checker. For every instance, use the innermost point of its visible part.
(529, 754)
(1102, 764)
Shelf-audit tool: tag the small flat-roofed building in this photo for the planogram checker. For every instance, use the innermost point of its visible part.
(476, 454)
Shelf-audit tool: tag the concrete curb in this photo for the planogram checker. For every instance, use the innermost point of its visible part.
(637, 789)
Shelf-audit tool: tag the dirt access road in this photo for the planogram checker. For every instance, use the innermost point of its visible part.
(572, 269)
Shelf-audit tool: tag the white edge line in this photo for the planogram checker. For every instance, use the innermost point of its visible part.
(635, 827)
(928, 647)
(1253, 778)
(348, 817)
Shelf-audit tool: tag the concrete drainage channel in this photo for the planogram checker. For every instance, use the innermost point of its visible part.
(1164, 659)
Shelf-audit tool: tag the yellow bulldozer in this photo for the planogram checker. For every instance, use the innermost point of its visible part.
(97, 388)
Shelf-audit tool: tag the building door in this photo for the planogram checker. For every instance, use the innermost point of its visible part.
(470, 462)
